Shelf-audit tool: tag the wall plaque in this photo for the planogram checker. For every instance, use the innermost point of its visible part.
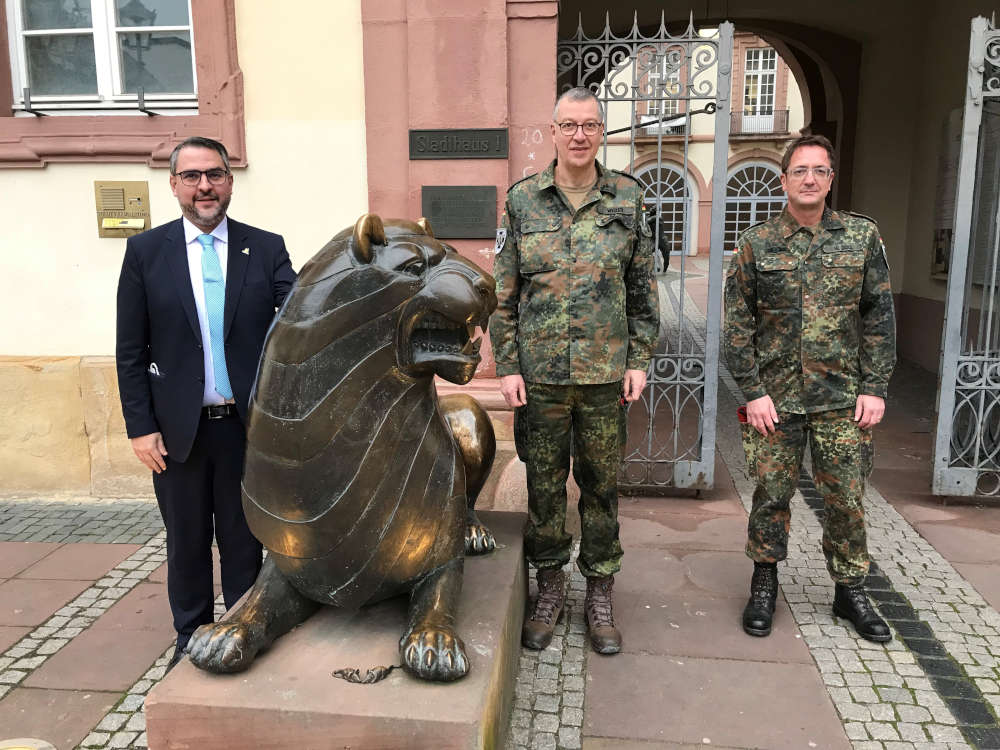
(460, 211)
(479, 143)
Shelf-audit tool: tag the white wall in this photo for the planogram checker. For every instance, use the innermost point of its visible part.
(306, 179)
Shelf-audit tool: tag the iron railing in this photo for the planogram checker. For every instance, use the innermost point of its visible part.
(754, 122)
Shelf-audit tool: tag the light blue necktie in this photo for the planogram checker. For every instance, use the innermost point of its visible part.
(215, 306)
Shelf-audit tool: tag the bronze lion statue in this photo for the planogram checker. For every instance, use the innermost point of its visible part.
(359, 481)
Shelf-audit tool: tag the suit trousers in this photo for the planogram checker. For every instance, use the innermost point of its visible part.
(200, 498)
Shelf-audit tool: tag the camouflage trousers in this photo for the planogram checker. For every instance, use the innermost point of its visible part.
(841, 461)
(592, 418)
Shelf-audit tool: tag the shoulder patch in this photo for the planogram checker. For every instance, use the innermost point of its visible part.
(500, 241)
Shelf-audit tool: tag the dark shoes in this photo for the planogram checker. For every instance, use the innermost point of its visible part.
(759, 612)
(537, 631)
(597, 609)
(175, 657)
(851, 603)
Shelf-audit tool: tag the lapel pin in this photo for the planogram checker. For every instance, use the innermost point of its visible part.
(246, 251)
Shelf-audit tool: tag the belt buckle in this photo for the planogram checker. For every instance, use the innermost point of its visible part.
(217, 411)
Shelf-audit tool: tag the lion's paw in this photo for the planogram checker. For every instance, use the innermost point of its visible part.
(478, 539)
(222, 647)
(434, 654)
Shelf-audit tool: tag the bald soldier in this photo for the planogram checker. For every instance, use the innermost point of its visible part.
(810, 338)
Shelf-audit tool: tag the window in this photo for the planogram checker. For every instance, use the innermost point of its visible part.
(758, 81)
(753, 194)
(86, 61)
(665, 192)
(758, 90)
(86, 54)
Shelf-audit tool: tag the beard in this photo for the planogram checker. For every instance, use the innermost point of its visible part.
(203, 218)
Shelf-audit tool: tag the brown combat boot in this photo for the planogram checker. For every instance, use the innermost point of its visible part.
(538, 627)
(604, 636)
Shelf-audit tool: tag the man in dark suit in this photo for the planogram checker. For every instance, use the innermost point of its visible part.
(196, 297)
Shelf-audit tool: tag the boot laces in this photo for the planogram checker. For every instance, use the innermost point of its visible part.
(764, 586)
(549, 598)
(599, 608)
(860, 601)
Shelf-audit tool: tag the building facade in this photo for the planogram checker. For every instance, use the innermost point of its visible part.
(317, 103)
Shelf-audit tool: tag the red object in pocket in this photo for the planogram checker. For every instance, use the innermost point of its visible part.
(741, 414)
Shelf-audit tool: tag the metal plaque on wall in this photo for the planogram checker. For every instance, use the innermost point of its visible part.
(478, 143)
(460, 211)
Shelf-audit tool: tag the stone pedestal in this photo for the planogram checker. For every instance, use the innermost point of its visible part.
(289, 698)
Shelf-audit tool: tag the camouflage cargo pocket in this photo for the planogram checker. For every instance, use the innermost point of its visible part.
(750, 447)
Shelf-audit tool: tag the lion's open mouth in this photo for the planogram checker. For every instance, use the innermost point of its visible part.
(435, 336)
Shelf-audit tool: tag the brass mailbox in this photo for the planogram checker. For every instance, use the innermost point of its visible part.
(122, 207)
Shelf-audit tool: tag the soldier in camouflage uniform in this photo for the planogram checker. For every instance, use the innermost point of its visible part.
(573, 335)
(810, 338)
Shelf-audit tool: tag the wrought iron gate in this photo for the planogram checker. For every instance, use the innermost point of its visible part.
(967, 448)
(654, 88)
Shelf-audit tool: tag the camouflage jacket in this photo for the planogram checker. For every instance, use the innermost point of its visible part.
(577, 297)
(809, 315)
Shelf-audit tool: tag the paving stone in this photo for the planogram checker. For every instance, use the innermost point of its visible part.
(547, 703)
(895, 695)
(911, 732)
(856, 679)
(520, 736)
(881, 731)
(941, 733)
(855, 730)
(122, 739)
(569, 738)
(545, 685)
(888, 679)
(548, 671)
(883, 712)
(132, 703)
(136, 723)
(572, 699)
(915, 714)
(96, 739)
(572, 717)
(864, 695)
(544, 741)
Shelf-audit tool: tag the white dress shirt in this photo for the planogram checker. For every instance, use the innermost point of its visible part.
(194, 251)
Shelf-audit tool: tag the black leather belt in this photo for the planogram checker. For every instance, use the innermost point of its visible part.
(218, 411)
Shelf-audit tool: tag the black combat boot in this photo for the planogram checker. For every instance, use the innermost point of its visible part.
(851, 603)
(538, 627)
(758, 613)
(597, 610)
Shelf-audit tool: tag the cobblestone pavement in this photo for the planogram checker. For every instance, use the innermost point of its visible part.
(96, 521)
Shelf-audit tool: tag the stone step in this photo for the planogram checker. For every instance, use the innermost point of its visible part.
(289, 697)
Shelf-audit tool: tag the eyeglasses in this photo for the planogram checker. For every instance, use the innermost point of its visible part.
(589, 128)
(799, 173)
(192, 177)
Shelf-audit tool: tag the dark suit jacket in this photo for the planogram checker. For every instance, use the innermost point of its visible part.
(158, 323)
